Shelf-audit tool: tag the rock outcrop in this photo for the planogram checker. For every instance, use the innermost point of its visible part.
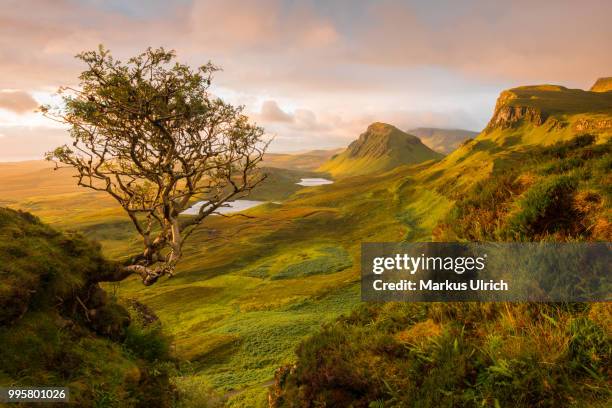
(507, 115)
(602, 85)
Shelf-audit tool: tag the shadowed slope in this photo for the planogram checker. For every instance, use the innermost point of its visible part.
(442, 140)
(59, 328)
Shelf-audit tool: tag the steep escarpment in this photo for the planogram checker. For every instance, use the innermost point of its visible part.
(552, 106)
(602, 85)
(381, 147)
(524, 119)
(58, 327)
(507, 115)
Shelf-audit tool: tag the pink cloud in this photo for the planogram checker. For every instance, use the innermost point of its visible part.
(17, 101)
(348, 62)
(557, 41)
(270, 112)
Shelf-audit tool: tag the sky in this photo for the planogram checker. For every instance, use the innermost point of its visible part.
(313, 73)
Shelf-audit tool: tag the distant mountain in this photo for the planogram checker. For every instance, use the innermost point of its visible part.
(442, 140)
(602, 85)
(381, 147)
(309, 160)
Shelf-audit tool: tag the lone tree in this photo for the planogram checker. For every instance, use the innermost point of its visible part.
(149, 133)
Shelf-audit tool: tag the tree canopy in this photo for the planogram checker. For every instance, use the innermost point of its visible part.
(150, 134)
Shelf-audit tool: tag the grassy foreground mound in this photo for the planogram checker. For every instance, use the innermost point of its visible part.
(480, 354)
(59, 328)
(455, 355)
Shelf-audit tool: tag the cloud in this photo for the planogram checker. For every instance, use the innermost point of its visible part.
(315, 45)
(262, 26)
(437, 63)
(556, 41)
(17, 101)
(29, 143)
(302, 120)
(270, 112)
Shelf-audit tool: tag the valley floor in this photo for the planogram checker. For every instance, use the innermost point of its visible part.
(249, 290)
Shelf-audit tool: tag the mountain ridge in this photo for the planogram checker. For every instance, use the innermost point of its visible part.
(380, 148)
(552, 104)
(603, 84)
(442, 140)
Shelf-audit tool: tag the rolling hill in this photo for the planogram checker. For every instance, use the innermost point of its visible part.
(310, 160)
(442, 140)
(540, 171)
(251, 291)
(380, 148)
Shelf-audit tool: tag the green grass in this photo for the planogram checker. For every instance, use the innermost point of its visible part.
(327, 260)
(249, 290)
(48, 340)
(557, 100)
(455, 355)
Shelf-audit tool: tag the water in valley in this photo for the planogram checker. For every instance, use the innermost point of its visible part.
(311, 182)
(232, 207)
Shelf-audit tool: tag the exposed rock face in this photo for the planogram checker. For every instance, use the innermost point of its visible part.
(602, 85)
(275, 392)
(583, 125)
(507, 115)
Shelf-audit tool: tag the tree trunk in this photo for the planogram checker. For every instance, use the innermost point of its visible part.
(117, 272)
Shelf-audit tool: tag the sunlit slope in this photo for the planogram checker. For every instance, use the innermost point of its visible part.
(250, 288)
(523, 118)
(602, 85)
(539, 172)
(310, 160)
(380, 148)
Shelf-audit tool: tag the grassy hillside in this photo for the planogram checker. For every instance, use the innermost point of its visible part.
(455, 355)
(250, 290)
(442, 140)
(533, 174)
(310, 160)
(469, 354)
(380, 148)
(58, 328)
